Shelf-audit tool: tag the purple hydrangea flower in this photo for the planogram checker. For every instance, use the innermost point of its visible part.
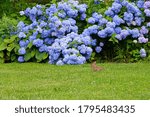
(91, 20)
(60, 62)
(21, 35)
(140, 3)
(142, 53)
(142, 39)
(135, 33)
(117, 20)
(22, 43)
(38, 42)
(147, 4)
(144, 30)
(98, 49)
(109, 12)
(102, 34)
(118, 30)
(20, 59)
(22, 51)
(147, 12)
(128, 17)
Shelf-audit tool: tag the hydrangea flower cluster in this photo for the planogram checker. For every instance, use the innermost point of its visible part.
(147, 8)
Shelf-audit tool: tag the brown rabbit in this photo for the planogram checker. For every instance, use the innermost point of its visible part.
(95, 67)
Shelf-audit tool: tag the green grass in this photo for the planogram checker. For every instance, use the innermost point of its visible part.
(44, 81)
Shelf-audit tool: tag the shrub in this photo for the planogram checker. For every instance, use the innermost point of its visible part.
(53, 34)
(123, 24)
(8, 39)
(73, 33)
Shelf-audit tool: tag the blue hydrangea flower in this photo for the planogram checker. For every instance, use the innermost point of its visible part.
(117, 20)
(118, 30)
(102, 34)
(148, 24)
(140, 3)
(139, 21)
(124, 34)
(20, 25)
(33, 11)
(116, 7)
(98, 49)
(72, 13)
(43, 48)
(83, 16)
(82, 9)
(38, 42)
(118, 36)
(93, 42)
(59, 62)
(22, 51)
(144, 30)
(39, 29)
(22, 43)
(109, 31)
(43, 24)
(111, 24)
(128, 17)
(39, 12)
(101, 44)
(21, 35)
(147, 4)
(147, 12)
(21, 59)
(142, 39)
(142, 53)
(91, 20)
(135, 33)
(109, 12)
(62, 14)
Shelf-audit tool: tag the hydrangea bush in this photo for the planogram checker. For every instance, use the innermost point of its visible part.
(52, 32)
(125, 24)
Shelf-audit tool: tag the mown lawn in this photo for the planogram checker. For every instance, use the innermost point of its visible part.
(44, 81)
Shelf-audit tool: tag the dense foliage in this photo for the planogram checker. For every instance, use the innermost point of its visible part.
(68, 32)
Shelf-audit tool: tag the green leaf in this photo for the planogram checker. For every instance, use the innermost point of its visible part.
(10, 40)
(8, 53)
(1, 54)
(16, 48)
(113, 39)
(33, 53)
(40, 56)
(45, 55)
(30, 45)
(3, 46)
(129, 41)
(2, 60)
(27, 56)
(149, 44)
(1, 40)
(10, 47)
(13, 57)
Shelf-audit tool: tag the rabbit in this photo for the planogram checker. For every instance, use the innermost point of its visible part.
(95, 67)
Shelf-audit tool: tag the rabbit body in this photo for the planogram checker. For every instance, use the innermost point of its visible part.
(95, 67)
